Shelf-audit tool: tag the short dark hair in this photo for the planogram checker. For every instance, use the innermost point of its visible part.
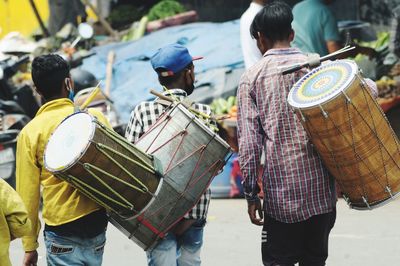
(166, 81)
(274, 20)
(48, 74)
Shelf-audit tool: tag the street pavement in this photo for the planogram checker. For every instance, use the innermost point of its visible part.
(359, 238)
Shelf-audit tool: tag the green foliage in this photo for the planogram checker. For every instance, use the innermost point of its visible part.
(165, 8)
(123, 15)
(221, 106)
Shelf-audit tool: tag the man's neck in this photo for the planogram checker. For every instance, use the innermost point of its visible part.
(281, 45)
(259, 2)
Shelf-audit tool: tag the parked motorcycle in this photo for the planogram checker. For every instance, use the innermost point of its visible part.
(17, 106)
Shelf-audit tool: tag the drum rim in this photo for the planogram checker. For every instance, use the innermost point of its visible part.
(202, 125)
(290, 98)
(374, 205)
(83, 151)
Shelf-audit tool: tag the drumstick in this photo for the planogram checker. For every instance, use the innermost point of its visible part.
(287, 70)
(169, 99)
(91, 97)
(109, 72)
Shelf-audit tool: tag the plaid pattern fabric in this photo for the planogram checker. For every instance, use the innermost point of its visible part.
(296, 183)
(144, 115)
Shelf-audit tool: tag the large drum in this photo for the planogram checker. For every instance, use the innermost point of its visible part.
(191, 155)
(350, 132)
(103, 165)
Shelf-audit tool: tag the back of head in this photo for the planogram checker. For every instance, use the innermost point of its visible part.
(274, 21)
(48, 74)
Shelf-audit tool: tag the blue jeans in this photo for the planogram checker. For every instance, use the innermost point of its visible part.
(179, 251)
(74, 251)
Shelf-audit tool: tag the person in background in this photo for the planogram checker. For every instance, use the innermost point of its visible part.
(174, 67)
(251, 54)
(316, 27)
(394, 44)
(317, 31)
(75, 226)
(63, 12)
(299, 207)
(14, 222)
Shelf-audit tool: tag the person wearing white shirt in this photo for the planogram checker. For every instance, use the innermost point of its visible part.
(251, 54)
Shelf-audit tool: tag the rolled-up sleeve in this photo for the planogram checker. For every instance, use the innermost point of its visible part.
(14, 211)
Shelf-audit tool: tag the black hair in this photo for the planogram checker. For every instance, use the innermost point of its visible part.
(48, 74)
(167, 81)
(274, 20)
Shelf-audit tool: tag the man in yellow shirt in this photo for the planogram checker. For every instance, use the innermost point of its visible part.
(14, 220)
(75, 226)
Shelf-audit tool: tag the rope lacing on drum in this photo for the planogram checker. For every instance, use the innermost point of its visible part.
(387, 188)
(79, 184)
(364, 195)
(332, 154)
(212, 169)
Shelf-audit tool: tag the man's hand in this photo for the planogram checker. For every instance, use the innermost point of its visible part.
(252, 208)
(30, 258)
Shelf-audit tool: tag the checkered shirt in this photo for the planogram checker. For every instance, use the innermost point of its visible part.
(296, 183)
(144, 115)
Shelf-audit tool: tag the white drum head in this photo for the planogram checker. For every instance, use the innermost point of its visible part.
(69, 142)
(322, 84)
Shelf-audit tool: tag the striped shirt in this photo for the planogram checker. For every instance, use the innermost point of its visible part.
(296, 183)
(143, 116)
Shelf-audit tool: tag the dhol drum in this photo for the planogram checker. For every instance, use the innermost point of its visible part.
(191, 155)
(103, 165)
(350, 132)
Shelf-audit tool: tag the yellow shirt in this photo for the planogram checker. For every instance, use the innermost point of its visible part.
(61, 202)
(14, 220)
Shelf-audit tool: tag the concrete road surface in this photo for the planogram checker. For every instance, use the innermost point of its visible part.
(359, 238)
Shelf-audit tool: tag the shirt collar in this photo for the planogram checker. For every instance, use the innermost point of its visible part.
(176, 92)
(54, 104)
(282, 51)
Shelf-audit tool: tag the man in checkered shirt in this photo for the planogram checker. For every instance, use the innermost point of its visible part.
(175, 70)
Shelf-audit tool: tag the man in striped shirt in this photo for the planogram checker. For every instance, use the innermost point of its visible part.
(175, 70)
(299, 198)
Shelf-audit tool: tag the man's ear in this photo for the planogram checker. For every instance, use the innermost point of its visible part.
(291, 35)
(68, 84)
(262, 43)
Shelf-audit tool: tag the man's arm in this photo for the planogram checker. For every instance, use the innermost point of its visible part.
(14, 211)
(17, 219)
(250, 146)
(135, 126)
(28, 187)
(332, 39)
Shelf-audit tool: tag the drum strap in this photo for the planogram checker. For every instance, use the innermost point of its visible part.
(168, 103)
(163, 102)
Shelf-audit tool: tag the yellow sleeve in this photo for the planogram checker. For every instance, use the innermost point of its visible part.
(14, 211)
(100, 117)
(28, 187)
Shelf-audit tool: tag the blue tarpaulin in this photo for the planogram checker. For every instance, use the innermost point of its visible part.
(133, 76)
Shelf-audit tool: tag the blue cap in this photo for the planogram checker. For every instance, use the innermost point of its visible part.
(173, 58)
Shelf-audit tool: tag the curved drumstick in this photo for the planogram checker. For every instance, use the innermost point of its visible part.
(90, 98)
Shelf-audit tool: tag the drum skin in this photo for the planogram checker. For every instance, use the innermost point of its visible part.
(94, 157)
(356, 143)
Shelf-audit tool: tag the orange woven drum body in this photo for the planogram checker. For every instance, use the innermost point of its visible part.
(350, 132)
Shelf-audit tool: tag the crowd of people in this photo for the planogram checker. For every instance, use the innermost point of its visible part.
(298, 209)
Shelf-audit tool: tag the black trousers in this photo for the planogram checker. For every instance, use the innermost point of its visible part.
(306, 243)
